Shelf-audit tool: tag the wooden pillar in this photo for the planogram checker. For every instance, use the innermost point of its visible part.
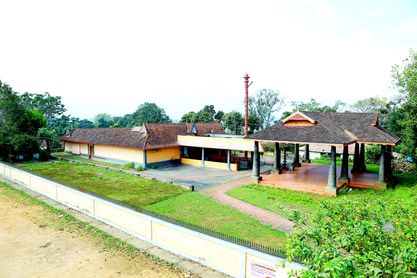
(256, 168)
(202, 157)
(356, 167)
(277, 160)
(228, 159)
(307, 154)
(297, 156)
(362, 164)
(381, 172)
(344, 174)
(331, 180)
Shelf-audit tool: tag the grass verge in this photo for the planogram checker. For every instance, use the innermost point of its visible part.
(129, 189)
(61, 220)
(161, 198)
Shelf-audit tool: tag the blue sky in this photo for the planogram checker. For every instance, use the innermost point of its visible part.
(110, 56)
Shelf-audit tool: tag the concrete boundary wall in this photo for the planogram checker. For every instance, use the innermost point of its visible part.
(221, 255)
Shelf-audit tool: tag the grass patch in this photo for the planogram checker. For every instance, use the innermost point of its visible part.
(161, 198)
(83, 159)
(200, 210)
(286, 203)
(129, 189)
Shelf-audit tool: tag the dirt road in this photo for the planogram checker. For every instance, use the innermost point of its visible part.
(34, 243)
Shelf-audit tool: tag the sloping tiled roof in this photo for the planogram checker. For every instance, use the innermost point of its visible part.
(153, 137)
(330, 128)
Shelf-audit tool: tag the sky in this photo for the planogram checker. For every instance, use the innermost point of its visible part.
(111, 56)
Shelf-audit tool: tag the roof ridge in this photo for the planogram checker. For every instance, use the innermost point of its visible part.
(336, 124)
(330, 130)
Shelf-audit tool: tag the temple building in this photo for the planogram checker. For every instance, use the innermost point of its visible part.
(156, 145)
(331, 130)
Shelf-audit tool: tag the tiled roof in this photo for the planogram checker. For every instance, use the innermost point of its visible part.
(330, 128)
(154, 136)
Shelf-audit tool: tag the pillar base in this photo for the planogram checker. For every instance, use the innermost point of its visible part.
(274, 171)
(256, 178)
(306, 160)
(356, 171)
(344, 179)
(381, 183)
(331, 189)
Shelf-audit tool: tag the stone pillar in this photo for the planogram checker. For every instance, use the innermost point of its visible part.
(388, 163)
(202, 157)
(284, 165)
(381, 172)
(331, 181)
(362, 164)
(356, 168)
(256, 168)
(297, 156)
(277, 160)
(228, 159)
(344, 174)
(307, 154)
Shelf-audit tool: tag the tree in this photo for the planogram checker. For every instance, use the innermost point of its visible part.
(206, 115)
(19, 125)
(372, 104)
(103, 120)
(405, 79)
(219, 116)
(85, 124)
(189, 117)
(254, 123)
(234, 122)
(50, 106)
(150, 113)
(264, 104)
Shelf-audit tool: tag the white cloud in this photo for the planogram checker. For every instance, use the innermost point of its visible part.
(409, 26)
(106, 56)
(327, 13)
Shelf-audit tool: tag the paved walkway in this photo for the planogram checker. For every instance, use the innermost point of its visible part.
(265, 216)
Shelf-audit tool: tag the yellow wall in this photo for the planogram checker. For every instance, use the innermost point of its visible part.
(209, 164)
(120, 153)
(160, 155)
(76, 148)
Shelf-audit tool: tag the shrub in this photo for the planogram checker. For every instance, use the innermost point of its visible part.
(359, 237)
(402, 166)
(154, 166)
(141, 168)
(372, 154)
(129, 165)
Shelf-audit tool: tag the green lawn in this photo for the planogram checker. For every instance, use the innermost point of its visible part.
(200, 210)
(286, 203)
(161, 198)
(129, 189)
(83, 159)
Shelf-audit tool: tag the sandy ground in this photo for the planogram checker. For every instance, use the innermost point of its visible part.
(31, 246)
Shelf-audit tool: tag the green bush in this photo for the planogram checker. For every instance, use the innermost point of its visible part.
(141, 168)
(359, 237)
(154, 166)
(129, 165)
(372, 154)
